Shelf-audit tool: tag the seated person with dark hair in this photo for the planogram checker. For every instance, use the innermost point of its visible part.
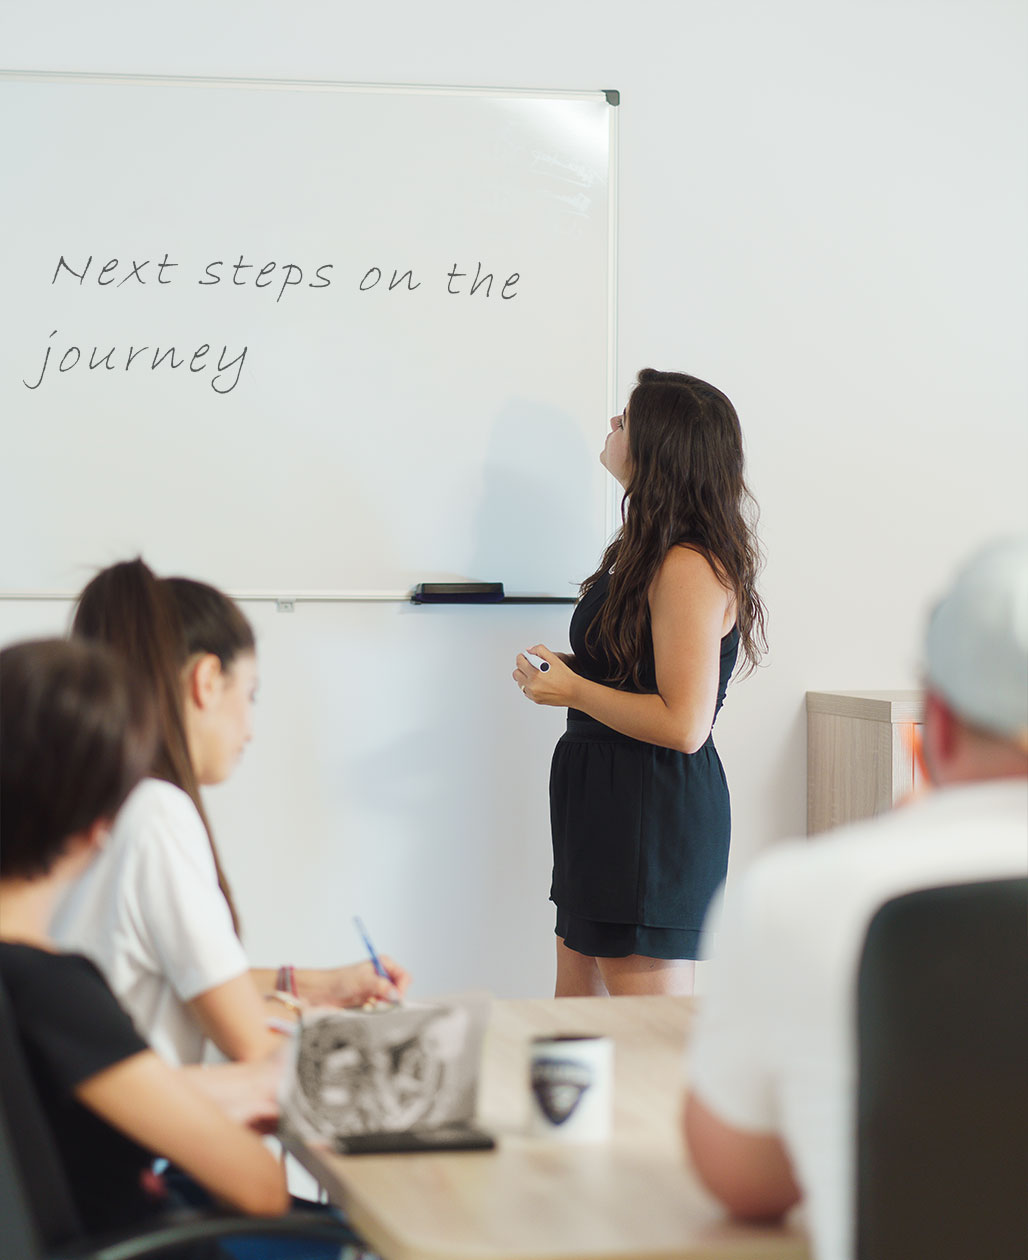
(76, 738)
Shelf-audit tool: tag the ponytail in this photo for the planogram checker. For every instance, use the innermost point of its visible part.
(127, 607)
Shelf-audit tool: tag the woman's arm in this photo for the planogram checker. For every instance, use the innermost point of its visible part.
(351, 985)
(234, 1016)
(690, 611)
(157, 1107)
(246, 1092)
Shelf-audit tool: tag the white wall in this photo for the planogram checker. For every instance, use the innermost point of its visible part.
(821, 210)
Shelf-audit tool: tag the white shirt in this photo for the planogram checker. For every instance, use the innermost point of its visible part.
(775, 1044)
(150, 913)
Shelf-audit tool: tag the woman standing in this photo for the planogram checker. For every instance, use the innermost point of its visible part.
(639, 804)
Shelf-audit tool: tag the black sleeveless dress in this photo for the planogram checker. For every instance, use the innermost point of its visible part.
(640, 833)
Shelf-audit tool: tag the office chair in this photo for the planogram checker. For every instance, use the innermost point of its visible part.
(942, 1100)
(38, 1217)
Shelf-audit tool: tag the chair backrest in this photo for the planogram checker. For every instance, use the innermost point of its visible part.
(942, 1103)
(36, 1206)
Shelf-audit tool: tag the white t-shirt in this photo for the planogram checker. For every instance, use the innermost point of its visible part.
(775, 1044)
(150, 913)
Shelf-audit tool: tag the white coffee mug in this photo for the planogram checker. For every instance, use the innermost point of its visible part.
(571, 1078)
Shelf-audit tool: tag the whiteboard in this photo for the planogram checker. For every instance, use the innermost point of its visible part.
(304, 336)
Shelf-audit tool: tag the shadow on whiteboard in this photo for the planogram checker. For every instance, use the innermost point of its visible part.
(539, 518)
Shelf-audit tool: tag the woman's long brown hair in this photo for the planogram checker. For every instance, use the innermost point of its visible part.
(128, 608)
(686, 485)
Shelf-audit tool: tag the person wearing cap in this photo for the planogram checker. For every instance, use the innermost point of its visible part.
(769, 1118)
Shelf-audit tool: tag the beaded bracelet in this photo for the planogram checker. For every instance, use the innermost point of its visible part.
(285, 981)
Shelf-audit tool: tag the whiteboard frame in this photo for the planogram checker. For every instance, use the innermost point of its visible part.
(612, 516)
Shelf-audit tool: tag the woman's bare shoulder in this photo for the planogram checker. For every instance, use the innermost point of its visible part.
(691, 563)
(688, 573)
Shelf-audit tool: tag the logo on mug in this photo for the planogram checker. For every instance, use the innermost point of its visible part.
(559, 1087)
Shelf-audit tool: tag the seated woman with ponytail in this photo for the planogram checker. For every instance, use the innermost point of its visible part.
(155, 911)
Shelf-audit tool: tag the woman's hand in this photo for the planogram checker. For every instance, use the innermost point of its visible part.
(354, 984)
(554, 686)
(165, 1110)
(246, 1092)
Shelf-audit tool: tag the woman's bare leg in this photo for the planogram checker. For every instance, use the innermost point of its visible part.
(638, 974)
(577, 974)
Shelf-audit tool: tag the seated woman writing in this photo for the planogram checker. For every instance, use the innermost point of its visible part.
(155, 912)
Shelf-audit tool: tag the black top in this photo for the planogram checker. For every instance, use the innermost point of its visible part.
(641, 832)
(594, 663)
(71, 1028)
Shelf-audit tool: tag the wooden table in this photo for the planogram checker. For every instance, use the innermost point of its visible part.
(633, 1198)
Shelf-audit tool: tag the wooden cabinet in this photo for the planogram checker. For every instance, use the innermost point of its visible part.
(861, 755)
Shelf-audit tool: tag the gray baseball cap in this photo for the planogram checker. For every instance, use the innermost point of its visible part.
(976, 646)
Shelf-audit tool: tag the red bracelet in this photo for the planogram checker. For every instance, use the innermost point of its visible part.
(285, 981)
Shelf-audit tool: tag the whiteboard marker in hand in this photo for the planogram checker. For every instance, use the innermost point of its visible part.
(541, 665)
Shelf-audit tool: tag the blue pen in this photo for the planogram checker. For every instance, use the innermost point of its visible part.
(371, 950)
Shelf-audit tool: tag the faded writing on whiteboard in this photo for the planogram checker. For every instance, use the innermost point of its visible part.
(224, 372)
(111, 361)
